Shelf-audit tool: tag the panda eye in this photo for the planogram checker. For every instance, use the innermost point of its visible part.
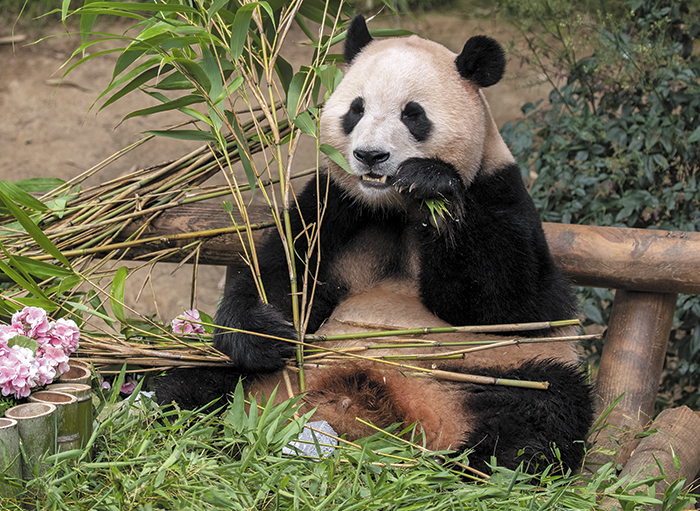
(416, 120)
(354, 114)
(412, 110)
(358, 106)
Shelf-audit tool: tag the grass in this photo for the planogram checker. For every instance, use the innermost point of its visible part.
(143, 458)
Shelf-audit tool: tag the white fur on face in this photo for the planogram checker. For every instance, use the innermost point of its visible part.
(387, 75)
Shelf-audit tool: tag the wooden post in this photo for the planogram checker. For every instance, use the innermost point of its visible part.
(631, 364)
(678, 435)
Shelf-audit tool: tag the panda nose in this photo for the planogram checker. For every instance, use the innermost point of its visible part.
(369, 157)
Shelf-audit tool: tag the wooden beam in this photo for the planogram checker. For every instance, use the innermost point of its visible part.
(635, 259)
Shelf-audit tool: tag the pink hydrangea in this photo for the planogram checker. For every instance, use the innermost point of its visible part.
(32, 320)
(183, 323)
(19, 372)
(7, 332)
(46, 371)
(20, 368)
(64, 333)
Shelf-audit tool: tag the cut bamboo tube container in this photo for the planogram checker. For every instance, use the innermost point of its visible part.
(83, 393)
(67, 421)
(37, 433)
(77, 373)
(10, 458)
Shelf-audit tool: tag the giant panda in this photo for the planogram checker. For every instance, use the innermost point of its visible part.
(413, 124)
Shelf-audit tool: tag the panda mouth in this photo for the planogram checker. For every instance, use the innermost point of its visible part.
(375, 180)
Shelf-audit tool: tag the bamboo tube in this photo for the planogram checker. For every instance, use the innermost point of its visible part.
(83, 394)
(36, 423)
(67, 420)
(76, 374)
(10, 458)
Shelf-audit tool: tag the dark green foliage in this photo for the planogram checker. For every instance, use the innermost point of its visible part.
(619, 145)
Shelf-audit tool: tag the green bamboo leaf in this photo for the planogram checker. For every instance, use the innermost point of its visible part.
(335, 156)
(33, 230)
(41, 269)
(116, 294)
(64, 10)
(306, 124)
(175, 104)
(39, 184)
(195, 71)
(174, 81)
(21, 197)
(243, 153)
(24, 342)
(294, 92)
(230, 89)
(206, 318)
(197, 135)
(285, 72)
(26, 284)
(239, 30)
(88, 310)
(216, 6)
(136, 82)
(130, 6)
(87, 20)
(210, 67)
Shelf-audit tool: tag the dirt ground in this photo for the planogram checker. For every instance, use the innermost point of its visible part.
(49, 131)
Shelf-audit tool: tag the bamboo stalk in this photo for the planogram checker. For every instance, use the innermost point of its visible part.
(515, 327)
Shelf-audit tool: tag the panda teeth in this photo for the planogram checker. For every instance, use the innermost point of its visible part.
(367, 177)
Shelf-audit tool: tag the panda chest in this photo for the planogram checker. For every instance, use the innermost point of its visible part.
(375, 255)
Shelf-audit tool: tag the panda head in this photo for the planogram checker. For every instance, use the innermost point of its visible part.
(409, 97)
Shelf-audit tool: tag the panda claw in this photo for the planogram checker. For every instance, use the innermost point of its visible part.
(410, 190)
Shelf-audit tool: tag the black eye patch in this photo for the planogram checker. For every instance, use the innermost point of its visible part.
(353, 116)
(417, 122)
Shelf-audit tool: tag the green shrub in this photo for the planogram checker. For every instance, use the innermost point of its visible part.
(619, 144)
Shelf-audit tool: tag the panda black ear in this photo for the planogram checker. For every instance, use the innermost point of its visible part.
(357, 37)
(482, 61)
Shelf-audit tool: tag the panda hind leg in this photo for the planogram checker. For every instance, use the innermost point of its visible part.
(521, 425)
(384, 398)
(192, 388)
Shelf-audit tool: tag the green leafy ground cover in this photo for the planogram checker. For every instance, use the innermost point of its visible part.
(141, 458)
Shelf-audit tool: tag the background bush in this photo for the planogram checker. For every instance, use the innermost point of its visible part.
(618, 143)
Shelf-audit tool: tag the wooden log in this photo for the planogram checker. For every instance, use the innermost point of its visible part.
(223, 249)
(631, 364)
(678, 435)
(635, 259)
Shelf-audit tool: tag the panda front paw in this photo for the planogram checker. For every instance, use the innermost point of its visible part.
(254, 353)
(425, 179)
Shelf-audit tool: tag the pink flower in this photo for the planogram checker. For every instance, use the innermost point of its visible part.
(64, 333)
(7, 332)
(183, 323)
(32, 320)
(19, 372)
(128, 386)
(46, 371)
(55, 357)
